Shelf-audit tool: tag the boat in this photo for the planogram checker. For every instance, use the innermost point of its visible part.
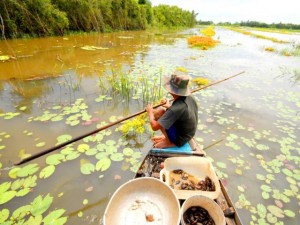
(152, 165)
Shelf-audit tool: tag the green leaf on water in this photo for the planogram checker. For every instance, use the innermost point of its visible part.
(276, 211)
(241, 189)
(260, 177)
(28, 170)
(4, 187)
(86, 167)
(4, 214)
(7, 196)
(101, 147)
(57, 118)
(112, 119)
(265, 195)
(102, 155)
(23, 108)
(63, 138)
(41, 144)
(37, 220)
(137, 155)
(21, 212)
(22, 154)
(23, 192)
(91, 151)
(262, 211)
(266, 188)
(54, 218)
(271, 219)
(103, 164)
(110, 142)
(41, 205)
(30, 181)
(289, 213)
(83, 147)
(47, 171)
(221, 165)
(127, 151)
(111, 149)
(117, 157)
(72, 156)
(55, 159)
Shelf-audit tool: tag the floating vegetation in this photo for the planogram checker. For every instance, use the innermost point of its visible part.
(246, 32)
(4, 58)
(34, 213)
(209, 31)
(200, 81)
(270, 49)
(76, 113)
(134, 126)
(92, 48)
(202, 42)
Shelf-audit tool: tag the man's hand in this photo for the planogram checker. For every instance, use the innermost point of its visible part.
(165, 102)
(149, 109)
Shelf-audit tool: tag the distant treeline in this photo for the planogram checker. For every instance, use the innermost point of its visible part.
(21, 18)
(255, 24)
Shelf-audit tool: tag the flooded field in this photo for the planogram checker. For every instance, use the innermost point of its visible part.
(55, 89)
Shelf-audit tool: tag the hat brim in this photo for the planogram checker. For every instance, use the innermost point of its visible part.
(173, 90)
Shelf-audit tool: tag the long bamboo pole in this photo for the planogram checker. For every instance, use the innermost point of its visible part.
(39, 154)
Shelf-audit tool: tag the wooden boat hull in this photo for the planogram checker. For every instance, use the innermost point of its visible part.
(151, 167)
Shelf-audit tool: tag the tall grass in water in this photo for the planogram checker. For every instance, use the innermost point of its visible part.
(128, 85)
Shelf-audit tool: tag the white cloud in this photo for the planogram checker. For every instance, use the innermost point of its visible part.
(268, 11)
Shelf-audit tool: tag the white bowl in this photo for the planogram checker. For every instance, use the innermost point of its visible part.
(199, 167)
(141, 199)
(210, 205)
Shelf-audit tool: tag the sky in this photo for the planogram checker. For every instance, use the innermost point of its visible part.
(267, 11)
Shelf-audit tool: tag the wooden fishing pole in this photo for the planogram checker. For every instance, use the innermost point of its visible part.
(39, 154)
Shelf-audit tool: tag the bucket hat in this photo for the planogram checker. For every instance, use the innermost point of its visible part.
(177, 84)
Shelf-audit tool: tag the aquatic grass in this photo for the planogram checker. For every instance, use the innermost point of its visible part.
(240, 30)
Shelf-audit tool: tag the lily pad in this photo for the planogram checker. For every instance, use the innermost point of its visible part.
(117, 157)
(127, 151)
(63, 138)
(47, 171)
(103, 164)
(83, 147)
(23, 192)
(86, 167)
(4, 214)
(28, 170)
(7, 196)
(55, 218)
(55, 159)
(41, 205)
(276, 211)
(21, 212)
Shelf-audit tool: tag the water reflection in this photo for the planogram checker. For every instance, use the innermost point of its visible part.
(61, 82)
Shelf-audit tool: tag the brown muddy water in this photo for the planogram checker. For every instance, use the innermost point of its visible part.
(53, 89)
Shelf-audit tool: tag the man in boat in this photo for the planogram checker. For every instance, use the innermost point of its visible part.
(178, 123)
